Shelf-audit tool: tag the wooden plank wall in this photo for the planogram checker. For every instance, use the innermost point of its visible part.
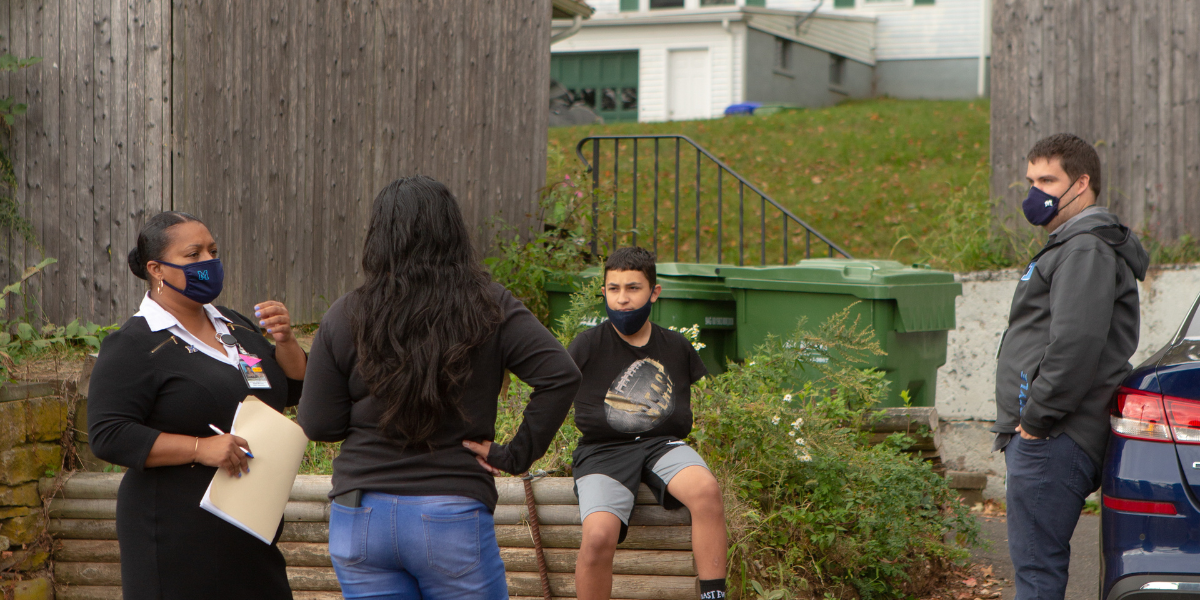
(290, 117)
(276, 122)
(1122, 74)
(90, 155)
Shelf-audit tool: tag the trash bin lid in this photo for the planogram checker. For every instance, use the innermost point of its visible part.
(924, 297)
(692, 281)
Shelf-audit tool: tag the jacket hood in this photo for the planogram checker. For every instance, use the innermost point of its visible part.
(1109, 229)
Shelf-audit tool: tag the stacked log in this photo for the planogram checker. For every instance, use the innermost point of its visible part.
(919, 423)
(654, 563)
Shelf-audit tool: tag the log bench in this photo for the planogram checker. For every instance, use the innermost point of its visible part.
(654, 563)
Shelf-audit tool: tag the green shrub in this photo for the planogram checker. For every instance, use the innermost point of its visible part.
(969, 239)
(814, 508)
(20, 339)
(525, 263)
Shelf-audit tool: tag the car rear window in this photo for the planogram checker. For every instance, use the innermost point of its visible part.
(1193, 327)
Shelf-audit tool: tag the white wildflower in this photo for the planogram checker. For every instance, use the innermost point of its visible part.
(775, 420)
(797, 423)
(802, 456)
(787, 398)
(792, 433)
(751, 363)
(800, 441)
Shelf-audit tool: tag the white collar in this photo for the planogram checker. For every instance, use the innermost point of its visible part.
(159, 319)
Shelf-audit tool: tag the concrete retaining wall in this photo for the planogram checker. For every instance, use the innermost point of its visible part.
(966, 384)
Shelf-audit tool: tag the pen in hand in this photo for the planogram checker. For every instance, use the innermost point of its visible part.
(219, 432)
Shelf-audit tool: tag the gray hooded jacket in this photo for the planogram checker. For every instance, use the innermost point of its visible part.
(1071, 330)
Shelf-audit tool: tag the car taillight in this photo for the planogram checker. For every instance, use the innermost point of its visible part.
(1140, 506)
(1140, 415)
(1145, 416)
(1184, 419)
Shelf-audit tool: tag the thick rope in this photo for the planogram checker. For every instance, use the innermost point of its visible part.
(536, 531)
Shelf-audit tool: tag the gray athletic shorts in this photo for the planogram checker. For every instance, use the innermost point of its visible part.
(607, 475)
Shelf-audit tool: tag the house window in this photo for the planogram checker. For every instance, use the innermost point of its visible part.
(837, 69)
(783, 54)
(606, 82)
(923, 2)
(716, 2)
(656, 4)
(629, 5)
(843, 3)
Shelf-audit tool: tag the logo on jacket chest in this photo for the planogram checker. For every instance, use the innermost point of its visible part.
(1029, 271)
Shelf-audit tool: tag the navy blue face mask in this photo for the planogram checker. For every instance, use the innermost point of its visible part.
(629, 322)
(203, 280)
(1041, 208)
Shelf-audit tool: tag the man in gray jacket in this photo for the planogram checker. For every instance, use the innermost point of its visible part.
(1071, 330)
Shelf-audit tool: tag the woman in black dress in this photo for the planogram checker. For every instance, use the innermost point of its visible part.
(160, 381)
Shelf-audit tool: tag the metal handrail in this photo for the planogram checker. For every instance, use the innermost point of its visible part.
(722, 169)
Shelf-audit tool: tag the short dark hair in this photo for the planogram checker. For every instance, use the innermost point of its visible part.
(632, 259)
(152, 240)
(1076, 156)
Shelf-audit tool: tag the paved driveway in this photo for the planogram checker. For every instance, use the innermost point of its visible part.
(1085, 556)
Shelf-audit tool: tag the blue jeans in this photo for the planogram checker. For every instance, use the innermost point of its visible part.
(1048, 481)
(416, 547)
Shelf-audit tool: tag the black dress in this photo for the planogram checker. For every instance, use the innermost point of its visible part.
(145, 383)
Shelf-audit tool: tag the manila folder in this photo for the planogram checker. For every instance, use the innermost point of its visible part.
(255, 501)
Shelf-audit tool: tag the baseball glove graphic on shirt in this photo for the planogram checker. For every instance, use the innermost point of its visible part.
(641, 398)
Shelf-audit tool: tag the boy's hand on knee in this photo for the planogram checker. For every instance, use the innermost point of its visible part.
(481, 450)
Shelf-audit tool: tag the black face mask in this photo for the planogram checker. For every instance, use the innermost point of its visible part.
(203, 280)
(629, 322)
(1041, 208)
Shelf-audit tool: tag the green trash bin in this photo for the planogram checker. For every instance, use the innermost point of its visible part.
(558, 292)
(692, 294)
(911, 310)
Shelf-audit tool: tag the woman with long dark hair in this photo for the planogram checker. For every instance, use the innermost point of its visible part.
(405, 371)
(176, 368)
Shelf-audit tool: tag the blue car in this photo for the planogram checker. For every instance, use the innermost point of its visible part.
(1150, 515)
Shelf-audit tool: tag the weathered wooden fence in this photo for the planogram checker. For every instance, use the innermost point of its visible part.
(276, 122)
(1122, 74)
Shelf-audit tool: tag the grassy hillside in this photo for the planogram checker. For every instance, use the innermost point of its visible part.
(866, 174)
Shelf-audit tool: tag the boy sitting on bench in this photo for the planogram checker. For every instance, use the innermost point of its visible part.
(634, 408)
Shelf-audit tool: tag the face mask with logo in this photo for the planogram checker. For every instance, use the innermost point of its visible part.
(1041, 208)
(203, 280)
(629, 322)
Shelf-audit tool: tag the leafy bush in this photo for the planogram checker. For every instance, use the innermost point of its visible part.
(10, 109)
(969, 239)
(20, 339)
(524, 264)
(814, 508)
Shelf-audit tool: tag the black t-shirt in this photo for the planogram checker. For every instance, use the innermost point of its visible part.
(629, 391)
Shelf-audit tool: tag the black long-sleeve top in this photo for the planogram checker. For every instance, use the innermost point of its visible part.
(337, 406)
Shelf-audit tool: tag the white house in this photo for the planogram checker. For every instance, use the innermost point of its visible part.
(656, 60)
(924, 48)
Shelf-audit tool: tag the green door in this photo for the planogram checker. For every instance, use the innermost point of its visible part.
(605, 81)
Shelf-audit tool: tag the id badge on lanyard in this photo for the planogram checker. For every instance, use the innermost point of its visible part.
(252, 371)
